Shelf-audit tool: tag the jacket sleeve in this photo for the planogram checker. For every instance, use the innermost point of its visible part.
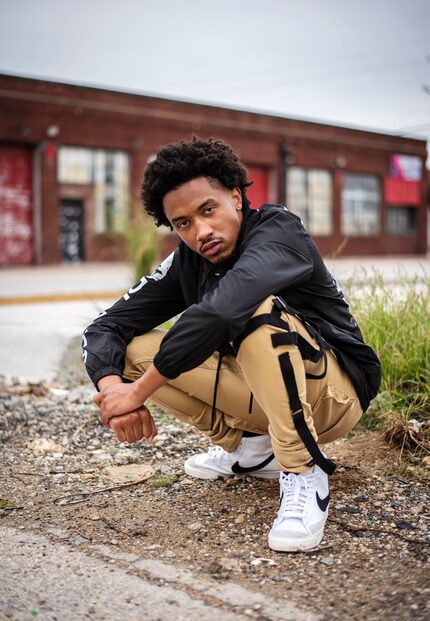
(275, 256)
(151, 301)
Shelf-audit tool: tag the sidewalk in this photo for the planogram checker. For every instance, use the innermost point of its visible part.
(64, 282)
(95, 281)
(42, 308)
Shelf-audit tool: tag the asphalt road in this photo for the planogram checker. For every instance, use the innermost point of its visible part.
(42, 577)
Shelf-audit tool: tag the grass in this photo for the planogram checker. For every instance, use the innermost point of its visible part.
(6, 503)
(164, 481)
(395, 321)
(143, 240)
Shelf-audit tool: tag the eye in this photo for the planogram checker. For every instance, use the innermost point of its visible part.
(209, 209)
(182, 224)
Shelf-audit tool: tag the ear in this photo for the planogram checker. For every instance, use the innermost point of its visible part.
(236, 195)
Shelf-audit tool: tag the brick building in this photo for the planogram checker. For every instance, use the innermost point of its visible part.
(72, 159)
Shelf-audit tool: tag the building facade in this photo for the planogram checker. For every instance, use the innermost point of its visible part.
(72, 160)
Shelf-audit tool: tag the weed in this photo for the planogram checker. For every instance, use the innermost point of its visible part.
(6, 503)
(395, 321)
(164, 481)
(142, 237)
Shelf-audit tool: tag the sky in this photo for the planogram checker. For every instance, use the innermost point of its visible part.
(360, 64)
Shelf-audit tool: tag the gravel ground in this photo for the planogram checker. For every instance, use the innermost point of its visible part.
(61, 472)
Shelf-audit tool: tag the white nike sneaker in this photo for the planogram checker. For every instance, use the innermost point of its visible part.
(303, 511)
(252, 457)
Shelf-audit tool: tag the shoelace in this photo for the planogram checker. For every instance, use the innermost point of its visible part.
(216, 452)
(295, 489)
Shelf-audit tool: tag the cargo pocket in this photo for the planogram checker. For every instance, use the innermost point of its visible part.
(335, 413)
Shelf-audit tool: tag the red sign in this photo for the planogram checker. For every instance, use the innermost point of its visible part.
(399, 192)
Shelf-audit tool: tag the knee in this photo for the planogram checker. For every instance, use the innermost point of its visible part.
(265, 307)
(141, 350)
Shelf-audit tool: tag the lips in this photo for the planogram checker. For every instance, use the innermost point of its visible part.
(211, 248)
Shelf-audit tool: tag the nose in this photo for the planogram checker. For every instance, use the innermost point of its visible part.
(204, 230)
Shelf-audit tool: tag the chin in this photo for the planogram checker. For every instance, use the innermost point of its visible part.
(220, 258)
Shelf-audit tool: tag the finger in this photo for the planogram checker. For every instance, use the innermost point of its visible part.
(153, 434)
(129, 431)
(107, 413)
(117, 427)
(120, 434)
(97, 398)
(134, 427)
(138, 430)
(147, 423)
(106, 419)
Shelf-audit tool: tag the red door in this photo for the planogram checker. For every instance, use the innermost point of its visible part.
(16, 208)
(258, 192)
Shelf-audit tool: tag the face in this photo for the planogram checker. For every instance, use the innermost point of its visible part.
(206, 216)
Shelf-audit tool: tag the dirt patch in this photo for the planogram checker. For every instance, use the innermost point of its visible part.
(371, 564)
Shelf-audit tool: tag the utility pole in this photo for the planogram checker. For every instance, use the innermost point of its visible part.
(284, 154)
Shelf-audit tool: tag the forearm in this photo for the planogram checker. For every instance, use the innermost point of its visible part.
(150, 381)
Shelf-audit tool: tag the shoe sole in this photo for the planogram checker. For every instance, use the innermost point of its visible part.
(205, 473)
(282, 544)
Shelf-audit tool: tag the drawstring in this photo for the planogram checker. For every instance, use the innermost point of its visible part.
(251, 401)
(218, 370)
(217, 376)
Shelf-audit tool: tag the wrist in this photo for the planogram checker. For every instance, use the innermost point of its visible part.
(107, 380)
(141, 389)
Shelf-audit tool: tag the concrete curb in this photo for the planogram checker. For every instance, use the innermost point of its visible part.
(86, 296)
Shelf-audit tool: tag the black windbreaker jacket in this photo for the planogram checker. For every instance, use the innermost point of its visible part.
(274, 255)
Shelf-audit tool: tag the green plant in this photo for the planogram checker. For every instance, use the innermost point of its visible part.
(142, 238)
(6, 503)
(395, 321)
(164, 481)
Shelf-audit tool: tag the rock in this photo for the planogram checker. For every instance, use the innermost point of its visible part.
(126, 456)
(231, 482)
(327, 560)
(130, 473)
(228, 564)
(59, 392)
(240, 518)
(403, 525)
(426, 461)
(351, 510)
(195, 527)
(44, 446)
(260, 560)
(101, 457)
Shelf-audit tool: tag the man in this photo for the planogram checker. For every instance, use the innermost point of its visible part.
(265, 359)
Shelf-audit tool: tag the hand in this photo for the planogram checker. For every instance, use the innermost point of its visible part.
(117, 399)
(134, 426)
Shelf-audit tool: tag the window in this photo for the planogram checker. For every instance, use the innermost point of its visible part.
(401, 220)
(75, 165)
(108, 173)
(310, 197)
(361, 204)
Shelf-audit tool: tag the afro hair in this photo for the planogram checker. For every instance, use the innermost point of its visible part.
(180, 162)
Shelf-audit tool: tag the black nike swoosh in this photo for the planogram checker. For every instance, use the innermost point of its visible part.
(323, 502)
(242, 470)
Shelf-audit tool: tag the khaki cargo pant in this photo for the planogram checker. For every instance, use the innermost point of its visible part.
(330, 405)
